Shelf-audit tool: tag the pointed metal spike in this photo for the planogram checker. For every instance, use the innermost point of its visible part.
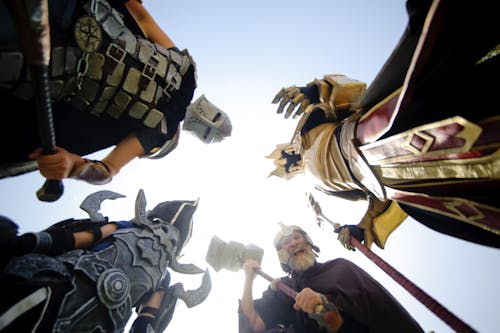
(92, 203)
(196, 296)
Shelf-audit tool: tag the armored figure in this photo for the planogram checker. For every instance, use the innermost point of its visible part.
(95, 289)
(417, 141)
(112, 73)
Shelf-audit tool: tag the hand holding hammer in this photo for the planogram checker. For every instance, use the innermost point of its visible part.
(234, 256)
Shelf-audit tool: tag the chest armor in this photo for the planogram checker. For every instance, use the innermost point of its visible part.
(108, 69)
(107, 284)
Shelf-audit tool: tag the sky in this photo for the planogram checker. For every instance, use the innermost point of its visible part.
(246, 51)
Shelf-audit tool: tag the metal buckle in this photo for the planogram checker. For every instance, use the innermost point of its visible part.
(149, 71)
(116, 53)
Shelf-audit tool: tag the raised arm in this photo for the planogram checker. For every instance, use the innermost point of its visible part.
(247, 306)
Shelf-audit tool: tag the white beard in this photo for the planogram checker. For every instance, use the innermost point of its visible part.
(303, 262)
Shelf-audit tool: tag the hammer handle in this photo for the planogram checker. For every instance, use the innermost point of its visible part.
(330, 319)
(280, 285)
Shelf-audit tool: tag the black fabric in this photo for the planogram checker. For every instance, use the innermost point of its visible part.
(174, 111)
(366, 306)
(141, 324)
(451, 82)
(311, 93)
(72, 129)
(316, 118)
(392, 74)
(150, 310)
(13, 289)
(452, 227)
(11, 245)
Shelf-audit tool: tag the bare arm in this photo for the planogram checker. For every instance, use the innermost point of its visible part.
(85, 239)
(148, 25)
(128, 149)
(247, 299)
(64, 164)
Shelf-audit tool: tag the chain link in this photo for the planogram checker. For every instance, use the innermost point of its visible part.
(83, 63)
(93, 7)
(81, 69)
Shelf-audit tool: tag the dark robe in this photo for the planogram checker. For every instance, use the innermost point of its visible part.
(365, 305)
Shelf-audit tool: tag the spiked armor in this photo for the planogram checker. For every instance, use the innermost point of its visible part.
(107, 283)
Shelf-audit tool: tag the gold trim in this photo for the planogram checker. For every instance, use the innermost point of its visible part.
(486, 167)
(470, 133)
(387, 222)
(452, 203)
(458, 202)
(379, 104)
(428, 143)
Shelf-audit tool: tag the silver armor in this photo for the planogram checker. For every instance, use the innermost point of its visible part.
(208, 122)
(108, 283)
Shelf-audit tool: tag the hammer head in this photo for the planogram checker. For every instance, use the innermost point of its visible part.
(231, 255)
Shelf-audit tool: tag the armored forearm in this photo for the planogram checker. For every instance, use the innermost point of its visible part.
(93, 172)
(332, 93)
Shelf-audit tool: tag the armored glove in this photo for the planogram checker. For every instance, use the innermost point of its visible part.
(55, 240)
(59, 238)
(332, 93)
(297, 98)
(93, 172)
(346, 231)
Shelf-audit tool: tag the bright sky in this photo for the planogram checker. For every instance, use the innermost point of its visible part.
(246, 52)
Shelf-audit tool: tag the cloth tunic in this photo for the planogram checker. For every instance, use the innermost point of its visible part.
(365, 305)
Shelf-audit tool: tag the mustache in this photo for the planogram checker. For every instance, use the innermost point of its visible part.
(299, 247)
(303, 262)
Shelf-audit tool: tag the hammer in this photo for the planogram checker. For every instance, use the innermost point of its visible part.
(232, 255)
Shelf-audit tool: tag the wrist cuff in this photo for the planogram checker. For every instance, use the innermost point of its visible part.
(93, 172)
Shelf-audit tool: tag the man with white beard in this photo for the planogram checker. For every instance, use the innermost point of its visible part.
(364, 304)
